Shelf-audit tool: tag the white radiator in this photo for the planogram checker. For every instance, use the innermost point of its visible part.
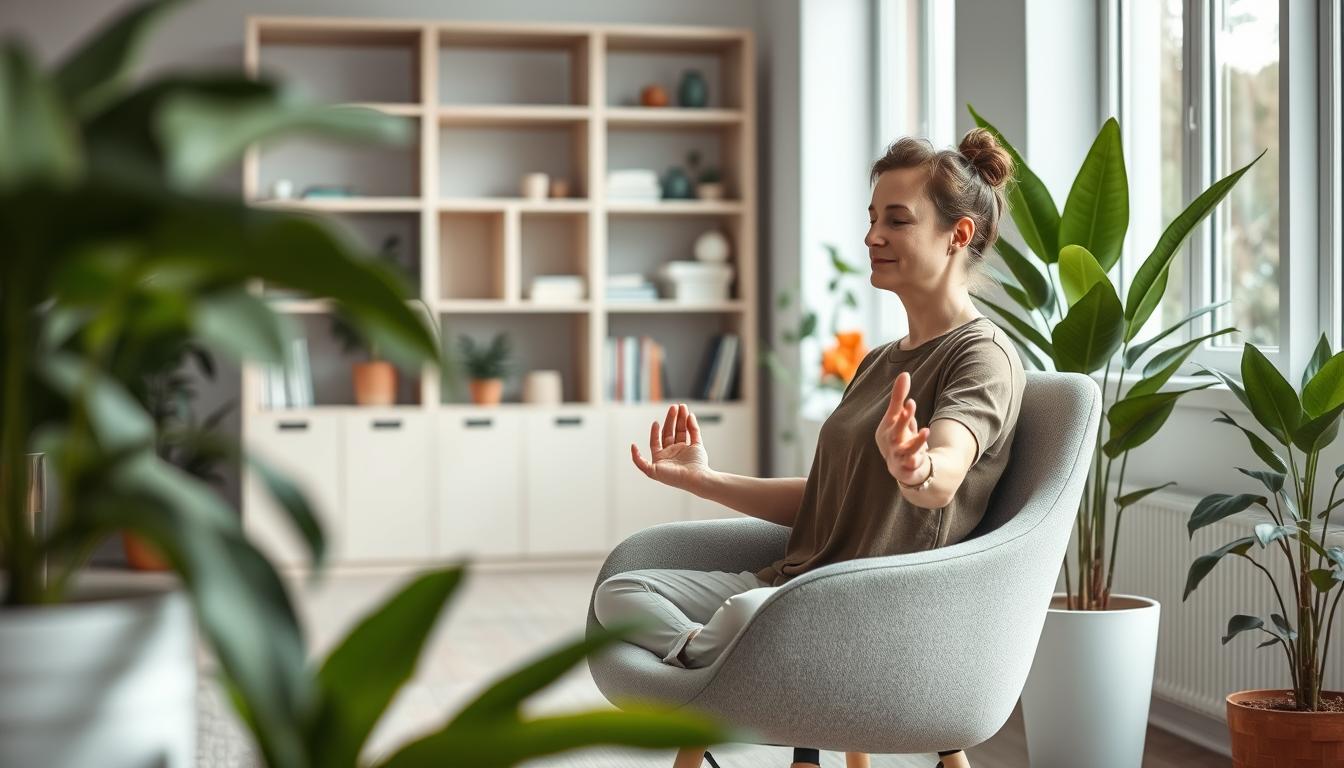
(1193, 668)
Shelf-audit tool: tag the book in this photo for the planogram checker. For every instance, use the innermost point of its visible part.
(708, 367)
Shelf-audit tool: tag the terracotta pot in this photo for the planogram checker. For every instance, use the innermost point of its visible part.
(140, 554)
(1268, 738)
(653, 96)
(375, 383)
(486, 391)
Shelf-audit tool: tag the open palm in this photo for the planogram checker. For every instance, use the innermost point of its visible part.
(677, 455)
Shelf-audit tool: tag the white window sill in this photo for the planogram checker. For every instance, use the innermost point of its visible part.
(1215, 398)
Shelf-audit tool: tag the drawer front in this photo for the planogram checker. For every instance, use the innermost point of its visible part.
(388, 496)
(729, 433)
(636, 501)
(306, 449)
(479, 465)
(566, 478)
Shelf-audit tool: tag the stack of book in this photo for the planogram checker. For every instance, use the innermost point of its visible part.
(718, 374)
(634, 184)
(636, 370)
(289, 385)
(631, 287)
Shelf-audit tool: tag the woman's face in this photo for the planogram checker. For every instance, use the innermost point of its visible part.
(907, 242)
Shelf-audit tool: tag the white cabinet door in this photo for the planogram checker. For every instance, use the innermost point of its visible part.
(565, 450)
(479, 468)
(306, 448)
(729, 434)
(637, 502)
(388, 496)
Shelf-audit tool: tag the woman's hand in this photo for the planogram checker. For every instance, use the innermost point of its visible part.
(903, 444)
(677, 456)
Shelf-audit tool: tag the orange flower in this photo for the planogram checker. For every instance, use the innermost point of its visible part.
(842, 360)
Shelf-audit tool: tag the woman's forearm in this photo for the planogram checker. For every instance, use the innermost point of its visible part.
(775, 499)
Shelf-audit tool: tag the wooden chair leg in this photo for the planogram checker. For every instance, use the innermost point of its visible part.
(690, 757)
(957, 759)
(857, 760)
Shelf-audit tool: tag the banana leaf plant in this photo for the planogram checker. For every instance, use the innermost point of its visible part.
(1070, 315)
(1308, 422)
(116, 254)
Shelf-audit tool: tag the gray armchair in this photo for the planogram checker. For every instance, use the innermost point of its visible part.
(900, 654)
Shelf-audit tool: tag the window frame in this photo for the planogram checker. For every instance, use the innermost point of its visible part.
(1309, 295)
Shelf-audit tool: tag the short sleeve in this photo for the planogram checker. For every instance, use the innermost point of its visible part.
(978, 392)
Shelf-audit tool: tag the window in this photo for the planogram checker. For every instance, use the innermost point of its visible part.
(1217, 104)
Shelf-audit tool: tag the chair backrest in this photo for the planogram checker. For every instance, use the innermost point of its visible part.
(1053, 419)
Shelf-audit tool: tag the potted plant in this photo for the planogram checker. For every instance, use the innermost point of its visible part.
(375, 379)
(180, 438)
(1304, 722)
(117, 255)
(708, 182)
(1087, 702)
(486, 367)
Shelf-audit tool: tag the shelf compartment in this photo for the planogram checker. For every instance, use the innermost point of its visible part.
(370, 170)
(659, 147)
(553, 244)
(472, 256)
(480, 161)
(335, 64)
(330, 366)
(685, 339)
(643, 244)
(637, 59)
(539, 341)
(512, 68)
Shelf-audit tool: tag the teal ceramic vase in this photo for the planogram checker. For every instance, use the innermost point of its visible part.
(694, 91)
(677, 185)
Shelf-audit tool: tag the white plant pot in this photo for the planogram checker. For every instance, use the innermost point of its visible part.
(107, 678)
(1086, 699)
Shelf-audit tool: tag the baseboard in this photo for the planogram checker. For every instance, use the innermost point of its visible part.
(1195, 727)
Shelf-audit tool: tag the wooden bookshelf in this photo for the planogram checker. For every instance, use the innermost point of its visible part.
(492, 101)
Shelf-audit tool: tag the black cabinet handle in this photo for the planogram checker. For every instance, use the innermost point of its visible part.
(387, 424)
(477, 423)
(709, 418)
(292, 426)
(568, 421)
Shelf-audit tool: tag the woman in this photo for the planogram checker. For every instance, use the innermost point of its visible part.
(886, 478)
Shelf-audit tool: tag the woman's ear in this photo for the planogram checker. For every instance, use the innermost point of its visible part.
(963, 231)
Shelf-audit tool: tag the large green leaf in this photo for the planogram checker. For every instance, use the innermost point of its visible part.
(1272, 480)
(1258, 445)
(1319, 356)
(1324, 391)
(1164, 365)
(1078, 272)
(362, 675)
(1313, 434)
(201, 134)
(1273, 402)
(1268, 533)
(38, 141)
(1034, 283)
(295, 504)
(1133, 497)
(1096, 213)
(115, 418)
(1134, 420)
(1010, 287)
(99, 69)
(1205, 563)
(243, 325)
(1091, 331)
(1150, 282)
(1029, 201)
(1135, 351)
(1023, 327)
(506, 744)
(1242, 623)
(1232, 384)
(1217, 506)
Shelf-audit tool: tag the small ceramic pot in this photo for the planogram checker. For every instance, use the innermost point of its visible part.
(709, 190)
(536, 185)
(559, 188)
(694, 91)
(1266, 738)
(375, 383)
(486, 391)
(676, 184)
(653, 96)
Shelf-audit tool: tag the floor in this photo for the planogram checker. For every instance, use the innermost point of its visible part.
(503, 618)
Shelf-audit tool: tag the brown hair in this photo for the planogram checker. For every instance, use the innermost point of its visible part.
(966, 182)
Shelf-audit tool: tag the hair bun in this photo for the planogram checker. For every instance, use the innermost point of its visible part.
(989, 159)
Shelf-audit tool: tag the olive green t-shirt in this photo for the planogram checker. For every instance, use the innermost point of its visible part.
(852, 507)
